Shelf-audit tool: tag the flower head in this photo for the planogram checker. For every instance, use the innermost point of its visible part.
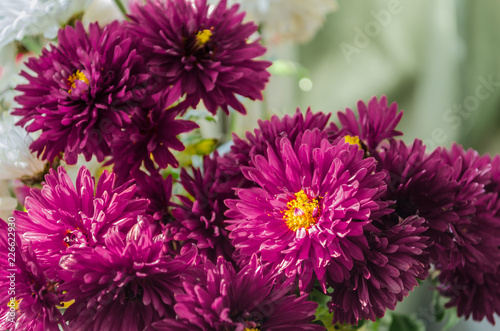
(421, 184)
(82, 91)
(125, 285)
(478, 298)
(395, 257)
(219, 298)
(33, 305)
(202, 53)
(312, 198)
(202, 221)
(377, 121)
(148, 140)
(60, 215)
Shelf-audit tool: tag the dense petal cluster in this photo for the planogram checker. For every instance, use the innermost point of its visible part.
(62, 215)
(125, 286)
(148, 139)
(33, 303)
(201, 52)
(377, 121)
(256, 143)
(219, 298)
(394, 259)
(420, 184)
(478, 298)
(202, 221)
(476, 234)
(312, 199)
(82, 91)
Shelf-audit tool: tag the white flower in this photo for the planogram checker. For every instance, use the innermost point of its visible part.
(20, 18)
(286, 20)
(16, 160)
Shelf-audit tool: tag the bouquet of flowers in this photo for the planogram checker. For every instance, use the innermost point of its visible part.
(304, 224)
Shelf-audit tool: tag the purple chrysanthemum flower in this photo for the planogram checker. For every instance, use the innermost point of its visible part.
(148, 140)
(202, 53)
(421, 184)
(376, 122)
(447, 189)
(158, 191)
(217, 298)
(33, 297)
(125, 285)
(476, 234)
(61, 215)
(82, 91)
(201, 221)
(312, 199)
(394, 258)
(479, 298)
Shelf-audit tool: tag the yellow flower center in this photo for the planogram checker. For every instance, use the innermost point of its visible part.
(203, 37)
(14, 304)
(78, 75)
(65, 304)
(302, 212)
(252, 329)
(353, 140)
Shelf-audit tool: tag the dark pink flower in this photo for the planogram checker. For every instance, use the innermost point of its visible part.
(376, 122)
(204, 54)
(311, 200)
(62, 215)
(125, 285)
(217, 298)
(394, 258)
(82, 91)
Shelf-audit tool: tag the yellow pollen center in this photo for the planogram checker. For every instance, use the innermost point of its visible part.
(203, 37)
(78, 75)
(302, 212)
(353, 140)
(65, 304)
(252, 329)
(14, 304)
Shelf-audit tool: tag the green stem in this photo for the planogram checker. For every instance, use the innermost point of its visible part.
(120, 6)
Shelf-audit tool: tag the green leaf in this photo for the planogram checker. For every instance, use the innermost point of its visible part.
(439, 310)
(452, 319)
(406, 323)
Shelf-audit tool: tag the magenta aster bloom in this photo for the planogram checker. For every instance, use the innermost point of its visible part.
(124, 286)
(422, 184)
(479, 298)
(61, 215)
(35, 296)
(312, 199)
(201, 53)
(148, 141)
(376, 122)
(82, 91)
(394, 259)
(476, 234)
(447, 188)
(202, 221)
(219, 298)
